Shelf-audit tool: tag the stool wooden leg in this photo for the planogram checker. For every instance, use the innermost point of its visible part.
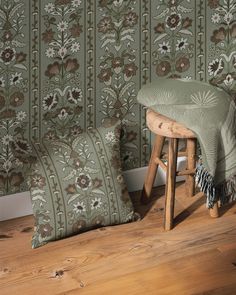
(214, 211)
(191, 162)
(152, 169)
(170, 184)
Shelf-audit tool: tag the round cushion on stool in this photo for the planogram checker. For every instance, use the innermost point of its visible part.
(164, 126)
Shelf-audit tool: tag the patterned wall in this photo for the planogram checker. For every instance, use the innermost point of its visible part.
(69, 65)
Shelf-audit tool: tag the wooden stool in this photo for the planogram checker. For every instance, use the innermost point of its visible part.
(164, 128)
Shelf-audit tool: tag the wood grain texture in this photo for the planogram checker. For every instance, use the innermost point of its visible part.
(214, 212)
(170, 184)
(197, 257)
(164, 126)
(191, 165)
(152, 168)
(160, 163)
(174, 277)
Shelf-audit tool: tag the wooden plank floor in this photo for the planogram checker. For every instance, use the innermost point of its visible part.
(197, 257)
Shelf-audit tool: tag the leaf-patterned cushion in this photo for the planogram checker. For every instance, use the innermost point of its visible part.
(77, 184)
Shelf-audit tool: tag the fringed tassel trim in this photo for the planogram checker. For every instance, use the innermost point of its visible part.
(227, 190)
(206, 184)
(224, 192)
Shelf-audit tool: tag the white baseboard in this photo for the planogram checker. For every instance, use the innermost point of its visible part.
(17, 205)
(135, 178)
(13, 206)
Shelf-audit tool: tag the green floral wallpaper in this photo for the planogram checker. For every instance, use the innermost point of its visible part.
(69, 65)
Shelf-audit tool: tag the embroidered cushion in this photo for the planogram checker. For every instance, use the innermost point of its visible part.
(77, 185)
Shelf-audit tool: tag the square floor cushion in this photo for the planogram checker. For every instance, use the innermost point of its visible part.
(76, 184)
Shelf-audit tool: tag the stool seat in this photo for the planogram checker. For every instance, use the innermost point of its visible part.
(164, 126)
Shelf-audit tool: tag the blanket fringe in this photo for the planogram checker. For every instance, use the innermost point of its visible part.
(224, 192)
(227, 190)
(206, 184)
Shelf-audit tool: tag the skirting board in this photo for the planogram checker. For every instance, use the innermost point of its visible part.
(135, 178)
(17, 205)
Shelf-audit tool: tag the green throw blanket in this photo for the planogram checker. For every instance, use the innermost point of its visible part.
(211, 114)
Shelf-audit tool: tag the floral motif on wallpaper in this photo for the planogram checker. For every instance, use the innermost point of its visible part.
(222, 66)
(118, 67)
(173, 38)
(51, 88)
(14, 147)
(63, 95)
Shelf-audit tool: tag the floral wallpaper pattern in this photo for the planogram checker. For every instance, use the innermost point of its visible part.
(69, 65)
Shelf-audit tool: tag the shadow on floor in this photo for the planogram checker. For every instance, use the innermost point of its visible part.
(225, 208)
(143, 209)
(190, 210)
(158, 192)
